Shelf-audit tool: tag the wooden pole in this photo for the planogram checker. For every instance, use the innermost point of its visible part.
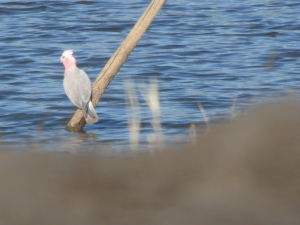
(117, 60)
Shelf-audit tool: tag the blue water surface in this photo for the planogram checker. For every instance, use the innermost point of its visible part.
(213, 52)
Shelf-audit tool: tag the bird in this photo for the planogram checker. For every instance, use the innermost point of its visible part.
(78, 87)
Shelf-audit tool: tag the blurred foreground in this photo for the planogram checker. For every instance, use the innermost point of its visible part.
(247, 172)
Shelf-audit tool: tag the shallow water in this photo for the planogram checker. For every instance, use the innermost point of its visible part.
(198, 51)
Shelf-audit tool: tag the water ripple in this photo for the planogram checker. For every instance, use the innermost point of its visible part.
(208, 51)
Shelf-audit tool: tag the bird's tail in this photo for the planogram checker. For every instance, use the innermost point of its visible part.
(89, 113)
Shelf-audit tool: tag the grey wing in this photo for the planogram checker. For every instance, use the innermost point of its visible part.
(85, 86)
(77, 86)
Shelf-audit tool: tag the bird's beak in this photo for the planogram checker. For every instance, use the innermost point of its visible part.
(61, 59)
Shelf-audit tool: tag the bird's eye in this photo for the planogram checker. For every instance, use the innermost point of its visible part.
(63, 57)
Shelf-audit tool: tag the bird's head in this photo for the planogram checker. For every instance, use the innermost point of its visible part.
(67, 59)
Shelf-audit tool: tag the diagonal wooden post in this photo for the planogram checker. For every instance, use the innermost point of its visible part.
(117, 60)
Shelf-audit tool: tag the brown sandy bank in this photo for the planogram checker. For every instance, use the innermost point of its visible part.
(247, 172)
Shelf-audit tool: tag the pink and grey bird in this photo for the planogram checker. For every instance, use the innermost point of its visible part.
(78, 87)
